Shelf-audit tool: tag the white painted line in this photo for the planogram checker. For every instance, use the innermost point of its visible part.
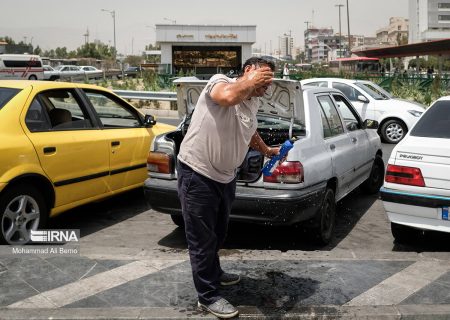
(87, 287)
(403, 284)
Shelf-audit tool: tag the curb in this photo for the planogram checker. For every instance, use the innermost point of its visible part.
(412, 312)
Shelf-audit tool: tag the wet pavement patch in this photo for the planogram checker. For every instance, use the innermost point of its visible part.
(268, 285)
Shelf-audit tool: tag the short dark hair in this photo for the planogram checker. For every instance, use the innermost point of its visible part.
(257, 61)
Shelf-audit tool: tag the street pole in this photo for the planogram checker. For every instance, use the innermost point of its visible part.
(113, 15)
(340, 33)
(348, 29)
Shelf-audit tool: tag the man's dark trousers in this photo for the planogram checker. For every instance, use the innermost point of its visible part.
(206, 206)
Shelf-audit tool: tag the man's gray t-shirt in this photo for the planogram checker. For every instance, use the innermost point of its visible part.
(218, 137)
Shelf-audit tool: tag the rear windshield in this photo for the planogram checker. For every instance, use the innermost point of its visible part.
(6, 94)
(435, 123)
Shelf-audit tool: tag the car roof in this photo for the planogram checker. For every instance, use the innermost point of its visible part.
(329, 79)
(44, 85)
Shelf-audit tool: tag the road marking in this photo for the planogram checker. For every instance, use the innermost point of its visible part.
(90, 286)
(403, 284)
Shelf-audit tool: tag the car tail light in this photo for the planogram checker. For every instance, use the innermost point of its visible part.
(287, 172)
(404, 175)
(159, 162)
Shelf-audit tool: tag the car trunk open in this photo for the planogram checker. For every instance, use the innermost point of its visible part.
(280, 116)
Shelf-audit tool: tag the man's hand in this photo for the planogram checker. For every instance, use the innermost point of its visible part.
(258, 77)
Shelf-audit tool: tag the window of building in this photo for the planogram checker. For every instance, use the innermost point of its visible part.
(444, 18)
(444, 5)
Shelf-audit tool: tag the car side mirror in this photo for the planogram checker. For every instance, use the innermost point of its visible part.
(149, 120)
(370, 124)
(363, 99)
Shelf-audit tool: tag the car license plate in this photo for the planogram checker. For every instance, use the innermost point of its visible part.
(444, 213)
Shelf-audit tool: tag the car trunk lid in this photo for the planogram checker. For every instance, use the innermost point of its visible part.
(430, 155)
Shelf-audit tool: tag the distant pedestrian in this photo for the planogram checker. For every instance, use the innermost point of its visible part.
(286, 71)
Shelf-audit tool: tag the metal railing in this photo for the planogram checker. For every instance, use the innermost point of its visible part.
(147, 95)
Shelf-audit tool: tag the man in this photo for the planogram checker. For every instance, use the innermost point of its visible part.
(222, 128)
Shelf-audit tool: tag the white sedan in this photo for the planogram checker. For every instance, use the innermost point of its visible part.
(416, 192)
(92, 72)
(395, 116)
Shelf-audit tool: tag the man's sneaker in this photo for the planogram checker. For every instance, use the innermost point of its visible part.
(228, 279)
(221, 309)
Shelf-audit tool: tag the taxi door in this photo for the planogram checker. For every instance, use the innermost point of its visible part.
(72, 150)
(128, 140)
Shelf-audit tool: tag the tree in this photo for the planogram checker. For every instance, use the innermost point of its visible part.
(7, 40)
(133, 60)
(37, 50)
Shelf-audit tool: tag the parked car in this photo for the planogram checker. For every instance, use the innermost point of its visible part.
(335, 152)
(67, 71)
(50, 73)
(416, 192)
(92, 72)
(64, 145)
(395, 116)
(132, 72)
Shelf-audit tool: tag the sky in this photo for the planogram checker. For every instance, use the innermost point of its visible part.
(63, 23)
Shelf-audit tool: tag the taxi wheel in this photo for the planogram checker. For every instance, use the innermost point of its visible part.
(375, 181)
(178, 220)
(325, 219)
(22, 209)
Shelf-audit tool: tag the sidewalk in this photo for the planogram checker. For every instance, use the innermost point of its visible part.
(83, 287)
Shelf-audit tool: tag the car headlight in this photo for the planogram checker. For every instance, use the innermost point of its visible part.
(415, 113)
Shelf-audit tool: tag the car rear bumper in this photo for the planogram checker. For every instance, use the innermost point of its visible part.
(420, 211)
(257, 205)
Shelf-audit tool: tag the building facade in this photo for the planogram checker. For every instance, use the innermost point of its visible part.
(321, 45)
(396, 33)
(205, 49)
(429, 20)
(286, 46)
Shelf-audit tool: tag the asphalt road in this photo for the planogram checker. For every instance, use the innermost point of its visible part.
(132, 263)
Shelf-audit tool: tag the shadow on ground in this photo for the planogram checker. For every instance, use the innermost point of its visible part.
(266, 237)
(96, 216)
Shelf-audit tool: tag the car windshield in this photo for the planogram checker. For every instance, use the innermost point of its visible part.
(435, 123)
(375, 91)
(7, 94)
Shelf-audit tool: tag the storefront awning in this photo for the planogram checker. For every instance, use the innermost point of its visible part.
(438, 47)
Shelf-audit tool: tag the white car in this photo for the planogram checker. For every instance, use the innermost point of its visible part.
(50, 73)
(395, 116)
(416, 192)
(335, 152)
(92, 72)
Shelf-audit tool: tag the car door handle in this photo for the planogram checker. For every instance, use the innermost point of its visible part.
(354, 139)
(48, 150)
(332, 147)
(115, 143)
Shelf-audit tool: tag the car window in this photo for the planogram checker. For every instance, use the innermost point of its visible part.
(331, 122)
(374, 91)
(322, 84)
(351, 118)
(64, 110)
(36, 118)
(7, 94)
(112, 113)
(348, 91)
(435, 123)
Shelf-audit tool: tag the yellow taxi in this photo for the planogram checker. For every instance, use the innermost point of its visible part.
(63, 145)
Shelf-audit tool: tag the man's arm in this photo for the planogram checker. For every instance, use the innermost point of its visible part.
(230, 94)
(258, 144)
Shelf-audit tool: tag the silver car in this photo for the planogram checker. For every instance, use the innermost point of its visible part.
(334, 153)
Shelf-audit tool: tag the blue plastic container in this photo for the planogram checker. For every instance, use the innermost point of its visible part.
(270, 166)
